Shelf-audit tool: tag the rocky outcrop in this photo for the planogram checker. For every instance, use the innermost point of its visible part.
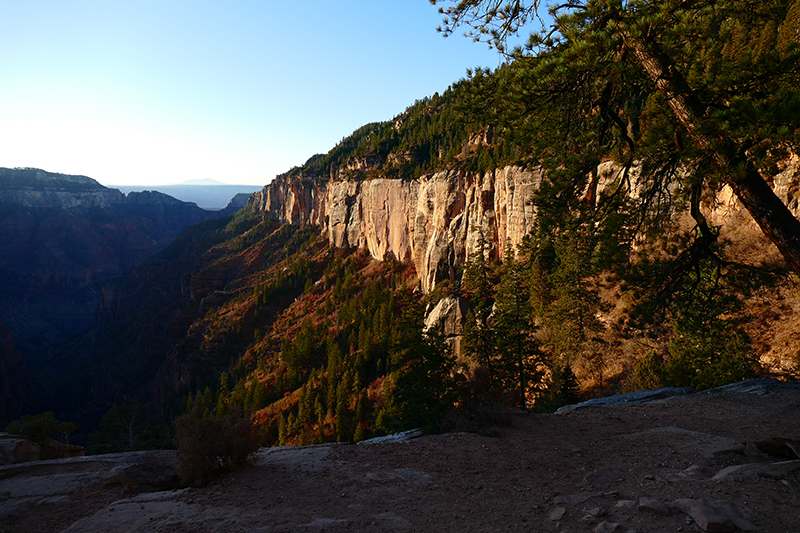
(15, 449)
(435, 221)
(448, 316)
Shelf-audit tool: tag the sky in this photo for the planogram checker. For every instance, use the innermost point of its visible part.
(160, 92)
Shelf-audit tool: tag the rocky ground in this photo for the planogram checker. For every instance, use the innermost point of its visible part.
(687, 463)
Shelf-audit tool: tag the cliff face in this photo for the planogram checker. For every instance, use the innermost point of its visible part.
(434, 222)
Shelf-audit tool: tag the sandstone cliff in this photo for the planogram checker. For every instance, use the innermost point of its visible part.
(435, 221)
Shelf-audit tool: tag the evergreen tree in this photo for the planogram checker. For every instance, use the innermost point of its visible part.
(426, 385)
(282, 430)
(569, 389)
(708, 347)
(477, 335)
(517, 352)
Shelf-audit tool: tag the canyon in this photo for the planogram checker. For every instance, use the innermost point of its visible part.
(62, 237)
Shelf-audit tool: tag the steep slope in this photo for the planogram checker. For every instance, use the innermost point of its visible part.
(146, 342)
(245, 312)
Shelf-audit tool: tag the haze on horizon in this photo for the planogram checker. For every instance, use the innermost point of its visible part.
(161, 92)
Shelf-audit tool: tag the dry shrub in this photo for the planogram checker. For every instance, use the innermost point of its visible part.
(210, 446)
(483, 416)
(480, 409)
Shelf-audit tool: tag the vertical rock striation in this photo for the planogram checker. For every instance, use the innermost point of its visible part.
(435, 221)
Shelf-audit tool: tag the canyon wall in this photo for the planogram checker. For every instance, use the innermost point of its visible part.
(435, 221)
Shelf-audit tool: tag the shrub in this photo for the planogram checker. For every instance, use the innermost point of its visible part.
(647, 373)
(483, 416)
(210, 446)
(711, 358)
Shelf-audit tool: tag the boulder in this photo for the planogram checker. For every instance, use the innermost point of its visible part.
(714, 516)
(152, 471)
(15, 450)
(629, 398)
(767, 470)
(448, 315)
(652, 506)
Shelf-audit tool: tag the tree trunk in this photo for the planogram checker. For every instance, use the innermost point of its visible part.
(770, 213)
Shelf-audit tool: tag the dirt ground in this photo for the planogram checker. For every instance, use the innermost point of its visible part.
(592, 469)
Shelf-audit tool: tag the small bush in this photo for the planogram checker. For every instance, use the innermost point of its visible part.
(210, 446)
(709, 359)
(646, 373)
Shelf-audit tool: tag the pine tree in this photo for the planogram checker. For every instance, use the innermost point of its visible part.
(517, 351)
(478, 336)
(282, 430)
(569, 389)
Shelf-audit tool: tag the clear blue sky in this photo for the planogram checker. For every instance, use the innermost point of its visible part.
(155, 92)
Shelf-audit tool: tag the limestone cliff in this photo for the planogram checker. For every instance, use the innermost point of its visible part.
(435, 221)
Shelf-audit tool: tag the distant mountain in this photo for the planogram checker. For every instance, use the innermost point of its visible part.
(61, 238)
(207, 193)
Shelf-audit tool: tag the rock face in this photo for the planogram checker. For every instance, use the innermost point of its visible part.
(448, 315)
(435, 221)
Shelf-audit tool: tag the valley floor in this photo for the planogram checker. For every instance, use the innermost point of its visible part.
(594, 469)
